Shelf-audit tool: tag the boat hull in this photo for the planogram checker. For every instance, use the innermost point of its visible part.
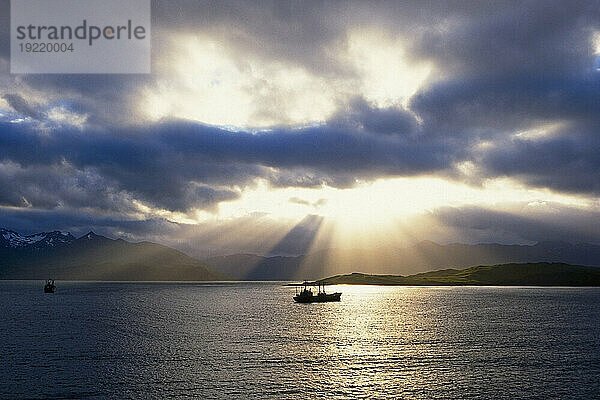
(319, 298)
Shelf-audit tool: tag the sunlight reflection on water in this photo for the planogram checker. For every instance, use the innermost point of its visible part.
(156, 340)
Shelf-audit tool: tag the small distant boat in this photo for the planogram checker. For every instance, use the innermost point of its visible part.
(49, 287)
(306, 294)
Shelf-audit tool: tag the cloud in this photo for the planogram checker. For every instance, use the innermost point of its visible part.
(302, 202)
(518, 223)
(460, 40)
(178, 165)
(507, 103)
(70, 168)
(474, 80)
(567, 163)
(21, 106)
(58, 186)
(363, 115)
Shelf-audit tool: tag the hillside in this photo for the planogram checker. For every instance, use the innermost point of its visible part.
(95, 257)
(529, 274)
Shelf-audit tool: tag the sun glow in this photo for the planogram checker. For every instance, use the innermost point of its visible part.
(595, 39)
(386, 212)
(387, 75)
(379, 202)
(382, 212)
(210, 83)
(206, 80)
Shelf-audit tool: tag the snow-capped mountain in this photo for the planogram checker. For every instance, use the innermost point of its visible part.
(14, 240)
(59, 255)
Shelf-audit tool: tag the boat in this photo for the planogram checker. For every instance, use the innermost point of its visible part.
(49, 287)
(306, 294)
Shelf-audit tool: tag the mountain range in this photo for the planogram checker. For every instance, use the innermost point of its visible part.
(421, 257)
(59, 255)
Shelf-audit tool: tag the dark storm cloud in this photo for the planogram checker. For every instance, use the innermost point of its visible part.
(326, 148)
(360, 114)
(490, 38)
(104, 99)
(74, 168)
(195, 195)
(526, 223)
(20, 105)
(78, 222)
(57, 185)
(180, 165)
(508, 102)
(568, 163)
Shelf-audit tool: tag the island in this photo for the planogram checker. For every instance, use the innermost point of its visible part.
(527, 274)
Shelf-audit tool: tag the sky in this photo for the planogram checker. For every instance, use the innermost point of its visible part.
(280, 127)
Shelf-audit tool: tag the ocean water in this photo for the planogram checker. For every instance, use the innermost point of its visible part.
(250, 340)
